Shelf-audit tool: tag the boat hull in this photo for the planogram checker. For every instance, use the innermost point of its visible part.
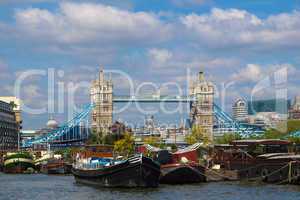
(182, 174)
(18, 166)
(56, 168)
(273, 172)
(135, 172)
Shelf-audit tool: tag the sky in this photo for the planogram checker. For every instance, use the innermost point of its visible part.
(249, 49)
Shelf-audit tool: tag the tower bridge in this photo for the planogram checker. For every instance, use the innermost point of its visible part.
(203, 112)
(200, 97)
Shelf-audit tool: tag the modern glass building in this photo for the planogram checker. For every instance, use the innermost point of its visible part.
(8, 128)
(280, 106)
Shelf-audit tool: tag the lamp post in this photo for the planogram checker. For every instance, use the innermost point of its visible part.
(18, 140)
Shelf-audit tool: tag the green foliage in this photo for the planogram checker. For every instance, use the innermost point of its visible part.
(281, 131)
(95, 138)
(295, 140)
(190, 139)
(154, 141)
(125, 146)
(99, 138)
(110, 139)
(197, 135)
(227, 138)
(293, 125)
(66, 153)
(12, 104)
(288, 126)
(173, 147)
(272, 134)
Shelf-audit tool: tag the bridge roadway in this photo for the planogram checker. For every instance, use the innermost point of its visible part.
(153, 99)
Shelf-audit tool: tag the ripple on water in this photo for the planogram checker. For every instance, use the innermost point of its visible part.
(44, 187)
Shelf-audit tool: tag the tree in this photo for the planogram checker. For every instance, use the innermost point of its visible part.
(197, 135)
(272, 134)
(110, 139)
(227, 138)
(295, 140)
(125, 146)
(288, 126)
(95, 138)
(153, 141)
(66, 153)
(13, 105)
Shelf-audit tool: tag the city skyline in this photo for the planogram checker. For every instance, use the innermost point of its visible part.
(156, 42)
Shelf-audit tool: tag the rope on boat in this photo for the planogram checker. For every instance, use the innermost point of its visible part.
(259, 177)
(288, 180)
(226, 177)
(270, 174)
(291, 177)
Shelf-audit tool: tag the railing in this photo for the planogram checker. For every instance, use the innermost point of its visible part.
(88, 166)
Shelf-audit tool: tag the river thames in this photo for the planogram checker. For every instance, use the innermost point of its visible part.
(44, 187)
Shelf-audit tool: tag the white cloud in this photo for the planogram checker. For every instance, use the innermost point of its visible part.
(100, 29)
(159, 56)
(251, 72)
(93, 24)
(234, 27)
(254, 72)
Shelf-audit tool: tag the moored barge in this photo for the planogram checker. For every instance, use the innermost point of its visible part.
(137, 171)
(55, 166)
(179, 173)
(275, 168)
(19, 162)
(263, 160)
(180, 167)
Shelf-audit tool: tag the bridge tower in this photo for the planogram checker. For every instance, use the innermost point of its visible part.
(202, 113)
(101, 93)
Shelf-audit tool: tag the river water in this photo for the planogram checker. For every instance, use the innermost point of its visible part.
(44, 187)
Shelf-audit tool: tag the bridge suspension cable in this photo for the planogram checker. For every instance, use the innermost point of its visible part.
(225, 122)
(67, 128)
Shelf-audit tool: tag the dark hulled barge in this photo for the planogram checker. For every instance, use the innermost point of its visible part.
(262, 160)
(137, 171)
(179, 173)
(180, 167)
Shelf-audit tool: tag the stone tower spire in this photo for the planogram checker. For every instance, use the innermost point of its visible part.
(201, 113)
(101, 96)
(101, 75)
